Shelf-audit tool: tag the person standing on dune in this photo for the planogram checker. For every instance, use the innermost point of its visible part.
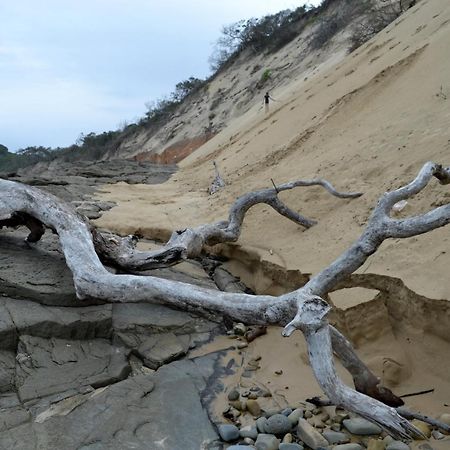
(266, 101)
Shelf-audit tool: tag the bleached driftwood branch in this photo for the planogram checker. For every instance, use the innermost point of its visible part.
(189, 242)
(303, 309)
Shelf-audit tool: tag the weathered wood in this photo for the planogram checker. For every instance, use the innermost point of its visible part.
(302, 309)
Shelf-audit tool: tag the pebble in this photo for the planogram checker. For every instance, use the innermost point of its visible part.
(295, 415)
(375, 444)
(288, 438)
(437, 435)
(398, 445)
(228, 432)
(241, 345)
(278, 424)
(334, 437)
(267, 442)
(445, 418)
(253, 407)
(233, 395)
(290, 447)
(286, 411)
(361, 426)
(260, 424)
(307, 415)
(348, 447)
(240, 447)
(310, 436)
(249, 431)
(253, 396)
(423, 427)
(240, 329)
(240, 406)
(249, 441)
(316, 422)
(336, 427)
(316, 411)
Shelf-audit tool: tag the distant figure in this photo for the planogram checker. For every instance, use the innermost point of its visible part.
(266, 100)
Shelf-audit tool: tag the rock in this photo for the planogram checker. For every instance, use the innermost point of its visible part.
(240, 406)
(307, 414)
(295, 415)
(310, 436)
(286, 411)
(249, 431)
(133, 413)
(228, 432)
(348, 447)
(290, 447)
(437, 435)
(423, 427)
(336, 427)
(267, 442)
(253, 407)
(375, 444)
(261, 424)
(240, 329)
(445, 418)
(278, 424)
(240, 447)
(159, 349)
(361, 426)
(397, 445)
(334, 437)
(7, 371)
(46, 367)
(287, 439)
(233, 395)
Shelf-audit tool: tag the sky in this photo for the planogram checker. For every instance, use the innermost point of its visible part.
(77, 66)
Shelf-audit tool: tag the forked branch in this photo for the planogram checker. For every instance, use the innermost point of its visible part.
(302, 309)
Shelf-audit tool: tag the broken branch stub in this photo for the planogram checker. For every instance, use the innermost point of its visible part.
(303, 309)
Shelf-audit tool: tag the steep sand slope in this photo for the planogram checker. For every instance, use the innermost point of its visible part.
(366, 122)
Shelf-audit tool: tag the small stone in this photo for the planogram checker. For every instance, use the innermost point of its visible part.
(279, 372)
(287, 439)
(249, 431)
(253, 408)
(334, 437)
(316, 411)
(241, 345)
(437, 435)
(249, 441)
(423, 427)
(253, 396)
(290, 447)
(336, 427)
(239, 447)
(307, 415)
(240, 329)
(445, 418)
(388, 439)
(233, 395)
(295, 415)
(286, 411)
(278, 424)
(340, 417)
(375, 444)
(398, 445)
(348, 447)
(316, 422)
(261, 424)
(238, 405)
(228, 432)
(267, 442)
(361, 426)
(310, 436)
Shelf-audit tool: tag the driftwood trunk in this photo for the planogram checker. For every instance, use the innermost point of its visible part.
(303, 309)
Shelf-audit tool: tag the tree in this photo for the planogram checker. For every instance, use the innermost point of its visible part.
(303, 309)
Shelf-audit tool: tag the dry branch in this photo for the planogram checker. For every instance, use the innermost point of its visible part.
(303, 309)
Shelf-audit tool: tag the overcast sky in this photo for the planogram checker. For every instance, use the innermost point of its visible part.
(75, 66)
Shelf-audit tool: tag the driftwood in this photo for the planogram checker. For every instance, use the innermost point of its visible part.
(303, 309)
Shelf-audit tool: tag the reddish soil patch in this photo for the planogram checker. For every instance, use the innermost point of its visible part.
(175, 152)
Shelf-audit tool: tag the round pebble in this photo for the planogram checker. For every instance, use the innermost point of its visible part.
(361, 426)
(228, 432)
(253, 407)
(278, 424)
(233, 395)
(397, 445)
